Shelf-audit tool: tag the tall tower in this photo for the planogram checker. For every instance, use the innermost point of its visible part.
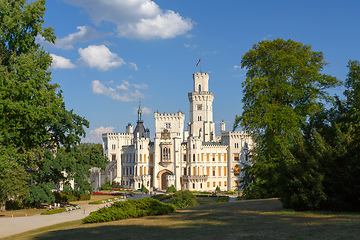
(201, 116)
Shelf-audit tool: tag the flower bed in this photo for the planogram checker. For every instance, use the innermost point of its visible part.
(108, 193)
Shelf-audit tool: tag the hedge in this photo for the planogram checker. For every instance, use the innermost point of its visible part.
(131, 208)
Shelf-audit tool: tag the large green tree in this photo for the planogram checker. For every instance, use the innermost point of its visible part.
(284, 88)
(335, 143)
(33, 117)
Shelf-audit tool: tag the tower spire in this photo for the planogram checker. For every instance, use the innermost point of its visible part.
(139, 112)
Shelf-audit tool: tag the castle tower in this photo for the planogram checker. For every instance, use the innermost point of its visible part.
(201, 116)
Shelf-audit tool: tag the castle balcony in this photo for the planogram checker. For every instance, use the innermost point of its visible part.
(165, 163)
(193, 179)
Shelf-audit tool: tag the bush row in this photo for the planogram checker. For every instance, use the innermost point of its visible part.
(131, 208)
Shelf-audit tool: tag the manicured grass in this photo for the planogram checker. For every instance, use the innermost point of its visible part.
(251, 219)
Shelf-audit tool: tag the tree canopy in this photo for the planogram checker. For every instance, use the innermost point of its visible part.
(284, 92)
(34, 122)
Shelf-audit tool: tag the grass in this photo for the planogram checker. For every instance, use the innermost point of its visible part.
(36, 211)
(251, 219)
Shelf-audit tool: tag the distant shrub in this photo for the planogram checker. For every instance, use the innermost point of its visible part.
(78, 196)
(61, 196)
(217, 189)
(12, 205)
(106, 186)
(183, 199)
(171, 189)
(132, 208)
(143, 188)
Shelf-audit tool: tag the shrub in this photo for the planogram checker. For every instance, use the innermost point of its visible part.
(78, 196)
(132, 208)
(106, 186)
(12, 205)
(171, 189)
(183, 199)
(61, 196)
(217, 189)
(161, 197)
(143, 188)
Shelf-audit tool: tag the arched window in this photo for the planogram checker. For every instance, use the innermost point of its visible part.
(199, 87)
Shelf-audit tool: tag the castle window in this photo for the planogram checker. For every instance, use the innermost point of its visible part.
(113, 146)
(184, 157)
(213, 157)
(236, 145)
(199, 107)
(166, 153)
(213, 170)
(193, 157)
(236, 170)
(185, 171)
(199, 87)
(193, 185)
(200, 185)
(167, 125)
(113, 157)
(236, 157)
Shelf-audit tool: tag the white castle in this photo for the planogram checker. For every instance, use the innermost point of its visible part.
(194, 159)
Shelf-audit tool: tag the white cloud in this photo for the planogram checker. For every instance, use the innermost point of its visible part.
(136, 18)
(100, 57)
(99, 88)
(125, 86)
(141, 86)
(190, 46)
(237, 67)
(145, 111)
(84, 34)
(61, 62)
(133, 66)
(95, 135)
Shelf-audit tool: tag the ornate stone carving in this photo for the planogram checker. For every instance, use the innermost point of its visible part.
(165, 134)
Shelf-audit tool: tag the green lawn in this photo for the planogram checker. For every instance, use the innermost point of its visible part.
(252, 219)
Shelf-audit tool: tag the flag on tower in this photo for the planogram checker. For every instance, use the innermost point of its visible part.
(198, 62)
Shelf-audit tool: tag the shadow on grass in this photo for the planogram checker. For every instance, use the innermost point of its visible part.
(249, 219)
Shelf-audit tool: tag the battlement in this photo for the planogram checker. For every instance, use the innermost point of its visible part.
(169, 116)
(118, 135)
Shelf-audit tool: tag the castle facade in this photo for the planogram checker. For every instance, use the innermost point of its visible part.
(192, 159)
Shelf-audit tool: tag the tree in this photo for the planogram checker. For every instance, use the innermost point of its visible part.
(33, 117)
(336, 146)
(284, 88)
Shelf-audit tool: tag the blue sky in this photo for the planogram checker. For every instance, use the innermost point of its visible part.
(111, 53)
